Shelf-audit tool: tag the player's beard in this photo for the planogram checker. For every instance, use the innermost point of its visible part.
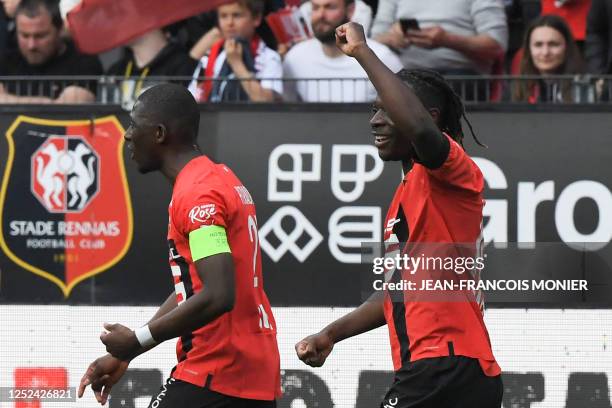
(329, 36)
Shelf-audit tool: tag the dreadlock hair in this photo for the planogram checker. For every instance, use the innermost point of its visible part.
(434, 92)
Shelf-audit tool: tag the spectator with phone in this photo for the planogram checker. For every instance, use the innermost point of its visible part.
(321, 71)
(459, 37)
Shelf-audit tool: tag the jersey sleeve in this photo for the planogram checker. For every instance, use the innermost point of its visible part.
(459, 170)
(199, 208)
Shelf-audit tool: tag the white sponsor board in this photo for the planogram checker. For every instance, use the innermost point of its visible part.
(348, 186)
(554, 343)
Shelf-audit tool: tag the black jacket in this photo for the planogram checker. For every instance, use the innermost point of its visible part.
(598, 46)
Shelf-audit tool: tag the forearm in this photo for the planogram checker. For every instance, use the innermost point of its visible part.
(252, 86)
(75, 95)
(168, 305)
(205, 43)
(194, 313)
(370, 315)
(256, 92)
(7, 98)
(480, 47)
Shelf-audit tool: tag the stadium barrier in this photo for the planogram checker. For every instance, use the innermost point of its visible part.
(484, 89)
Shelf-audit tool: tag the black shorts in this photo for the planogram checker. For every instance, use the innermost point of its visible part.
(444, 382)
(177, 393)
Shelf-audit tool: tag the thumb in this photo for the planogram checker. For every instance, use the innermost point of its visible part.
(109, 326)
(307, 349)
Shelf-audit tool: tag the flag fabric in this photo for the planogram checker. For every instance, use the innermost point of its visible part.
(100, 25)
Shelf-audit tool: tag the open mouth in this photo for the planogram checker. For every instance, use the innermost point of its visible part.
(381, 140)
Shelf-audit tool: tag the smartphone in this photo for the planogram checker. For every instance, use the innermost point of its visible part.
(409, 24)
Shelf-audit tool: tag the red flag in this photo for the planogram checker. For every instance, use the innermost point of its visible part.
(100, 25)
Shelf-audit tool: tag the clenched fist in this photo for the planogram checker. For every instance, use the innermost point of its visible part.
(351, 39)
(314, 349)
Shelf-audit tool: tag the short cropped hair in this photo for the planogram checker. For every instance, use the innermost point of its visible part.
(31, 8)
(255, 7)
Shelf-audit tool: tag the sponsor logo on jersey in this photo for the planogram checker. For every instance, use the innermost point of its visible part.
(202, 213)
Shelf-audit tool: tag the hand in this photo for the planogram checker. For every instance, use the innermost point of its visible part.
(430, 37)
(120, 341)
(102, 374)
(350, 39)
(314, 349)
(394, 38)
(75, 94)
(233, 52)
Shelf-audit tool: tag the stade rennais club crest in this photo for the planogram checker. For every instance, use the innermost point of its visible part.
(65, 208)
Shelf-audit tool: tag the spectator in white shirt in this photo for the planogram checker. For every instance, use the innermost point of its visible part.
(322, 72)
(361, 15)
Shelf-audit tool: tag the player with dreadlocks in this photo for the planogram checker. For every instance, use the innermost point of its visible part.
(440, 346)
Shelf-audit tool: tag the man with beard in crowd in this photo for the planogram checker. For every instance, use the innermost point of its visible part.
(323, 72)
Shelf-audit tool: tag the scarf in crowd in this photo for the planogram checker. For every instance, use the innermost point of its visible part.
(220, 89)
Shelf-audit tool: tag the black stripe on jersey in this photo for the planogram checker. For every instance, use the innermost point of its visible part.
(186, 340)
(402, 231)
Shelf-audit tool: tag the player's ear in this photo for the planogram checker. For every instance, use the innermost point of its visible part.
(161, 134)
(257, 20)
(435, 114)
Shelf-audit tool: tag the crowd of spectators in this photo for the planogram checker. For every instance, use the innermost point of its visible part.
(231, 54)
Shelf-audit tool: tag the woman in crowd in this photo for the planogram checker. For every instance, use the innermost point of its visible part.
(550, 49)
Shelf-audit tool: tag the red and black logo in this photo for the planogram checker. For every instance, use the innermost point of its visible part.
(65, 211)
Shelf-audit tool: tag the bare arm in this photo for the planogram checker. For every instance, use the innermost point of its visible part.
(216, 298)
(314, 349)
(166, 307)
(481, 47)
(404, 108)
(205, 43)
(252, 86)
(368, 316)
(75, 94)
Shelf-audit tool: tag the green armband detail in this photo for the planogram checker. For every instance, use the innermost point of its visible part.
(208, 240)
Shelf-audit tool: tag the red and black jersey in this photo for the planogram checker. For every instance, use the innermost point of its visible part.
(237, 353)
(440, 206)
